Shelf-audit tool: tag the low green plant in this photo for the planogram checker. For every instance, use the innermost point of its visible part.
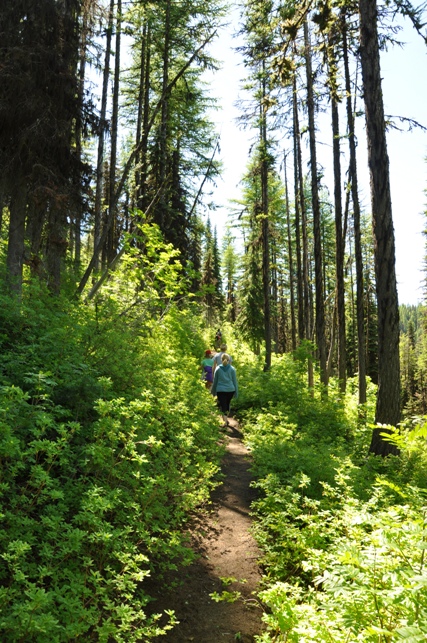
(227, 597)
(108, 441)
(343, 534)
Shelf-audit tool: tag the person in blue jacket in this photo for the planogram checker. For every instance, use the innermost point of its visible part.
(225, 385)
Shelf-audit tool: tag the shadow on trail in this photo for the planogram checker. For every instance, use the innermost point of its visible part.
(227, 562)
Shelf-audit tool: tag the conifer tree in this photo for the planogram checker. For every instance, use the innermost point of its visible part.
(230, 263)
(388, 397)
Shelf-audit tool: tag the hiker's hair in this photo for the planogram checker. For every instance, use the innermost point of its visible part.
(225, 359)
(223, 347)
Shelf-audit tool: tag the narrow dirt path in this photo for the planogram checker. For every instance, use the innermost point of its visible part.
(227, 562)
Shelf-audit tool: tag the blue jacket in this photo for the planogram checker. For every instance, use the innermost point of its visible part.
(225, 380)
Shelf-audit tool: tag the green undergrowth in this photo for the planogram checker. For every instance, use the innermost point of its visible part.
(343, 533)
(108, 440)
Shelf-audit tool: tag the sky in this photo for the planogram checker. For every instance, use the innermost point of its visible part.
(405, 94)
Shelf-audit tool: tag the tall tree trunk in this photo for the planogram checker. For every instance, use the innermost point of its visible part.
(339, 240)
(34, 231)
(164, 124)
(112, 236)
(361, 341)
(142, 118)
(16, 239)
(304, 304)
(320, 305)
(75, 232)
(265, 234)
(2, 203)
(101, 140)
(297, 152)
(56, 245)
(290, 261)
(388, 397)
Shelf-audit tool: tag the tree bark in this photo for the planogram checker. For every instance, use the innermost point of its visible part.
(142, 119)
(297, 153)
(265, 233)
(388, 396)
(339, 240)
(111, 248)
(320, 305)
(291, 262)
(101, 140)
(163, 160)
(16, 240)
(360, 308)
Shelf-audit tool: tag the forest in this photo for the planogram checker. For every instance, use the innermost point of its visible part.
(114, 278)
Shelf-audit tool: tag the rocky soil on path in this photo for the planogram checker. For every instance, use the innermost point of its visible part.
(226, 561)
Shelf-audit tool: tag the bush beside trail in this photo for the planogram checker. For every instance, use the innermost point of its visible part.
(343, 533)
(108, 441)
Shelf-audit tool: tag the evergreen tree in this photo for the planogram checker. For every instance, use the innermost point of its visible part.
(388, 397)
(230, 266)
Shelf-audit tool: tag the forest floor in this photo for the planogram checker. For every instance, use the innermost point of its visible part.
(226, 561)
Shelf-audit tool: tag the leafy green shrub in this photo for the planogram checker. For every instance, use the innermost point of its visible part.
(369, 582)
(343, 533)
(108, 440)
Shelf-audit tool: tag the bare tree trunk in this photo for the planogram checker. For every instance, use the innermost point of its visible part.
(101, 139)
(320, 305)
(34, 231)
(164, 123)
(112, 236)
(75, 232)
(265, 234)
(388, 397)
(2, 203)
(297, 154)
(339, 240)
(291, 263)
(361, 342)
(304, 304)
(56, 245)
(16, 240)
(143, 105)
(274, 297)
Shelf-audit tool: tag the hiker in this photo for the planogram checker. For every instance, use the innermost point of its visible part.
(225, 386)
(218, 338)
(218, 357)
(207, 369)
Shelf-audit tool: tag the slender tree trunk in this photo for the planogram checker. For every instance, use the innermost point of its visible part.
(75, 232)
(320, 305)
(16, 240)
(265, 234)
(290, 262)
(339, 240)
(388, 397)
(297, 151)
(112, 237)
(304, 307)
(56, 245)
(164, 124)
(34, 231)
(274, 297)
(139, 187)
(361, 341)
(2, 204)
(306, 303)
(101, 140)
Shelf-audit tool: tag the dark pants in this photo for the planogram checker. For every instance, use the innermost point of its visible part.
(224, 399)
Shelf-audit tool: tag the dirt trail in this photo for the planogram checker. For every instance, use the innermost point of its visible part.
(226, 550)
